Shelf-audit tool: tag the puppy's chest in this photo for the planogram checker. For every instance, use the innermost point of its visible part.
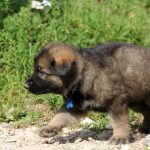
(78, 101)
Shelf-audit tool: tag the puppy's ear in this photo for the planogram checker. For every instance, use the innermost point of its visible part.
(62, 69)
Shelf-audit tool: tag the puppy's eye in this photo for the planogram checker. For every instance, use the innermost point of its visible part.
(52, 63)
(41, 73)
(39, 69)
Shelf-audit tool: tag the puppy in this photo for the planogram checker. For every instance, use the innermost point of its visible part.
(111, 77)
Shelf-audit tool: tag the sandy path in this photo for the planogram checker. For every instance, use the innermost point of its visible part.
(28, 139)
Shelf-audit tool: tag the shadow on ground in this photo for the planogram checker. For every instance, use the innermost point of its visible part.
(79, 136)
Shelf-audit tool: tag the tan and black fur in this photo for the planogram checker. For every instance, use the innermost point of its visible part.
(111, 77)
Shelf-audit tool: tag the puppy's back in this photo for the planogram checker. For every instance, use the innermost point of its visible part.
(127, 61)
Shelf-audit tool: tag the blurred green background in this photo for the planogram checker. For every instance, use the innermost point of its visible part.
(82, 23)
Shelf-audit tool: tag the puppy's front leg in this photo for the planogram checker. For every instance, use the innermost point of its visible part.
(63, 118)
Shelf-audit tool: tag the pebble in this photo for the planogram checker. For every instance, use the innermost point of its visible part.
(146, 142)
(66, 130)
(5, 125)
(79, 129)
(34, 129)
(11, 140)
(86, 120)
(78, 140)
(90, 139)
(11, 132)
(125, 147)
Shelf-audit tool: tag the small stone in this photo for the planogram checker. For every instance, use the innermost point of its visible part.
(78, 140)
(90, 139)
(11, 140)
(146, 142)
(1, 128)
(12, 133)
(34, 129)
(56, 143)
(66, 130)
(86, 120)
(79, 129)
(5, 125)
(125, 147)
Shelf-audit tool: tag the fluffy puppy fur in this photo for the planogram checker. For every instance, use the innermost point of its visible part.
(111, 77)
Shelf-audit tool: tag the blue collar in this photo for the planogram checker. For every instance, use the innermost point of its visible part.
(69, 104)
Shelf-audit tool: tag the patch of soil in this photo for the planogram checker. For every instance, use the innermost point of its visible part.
(69, 139)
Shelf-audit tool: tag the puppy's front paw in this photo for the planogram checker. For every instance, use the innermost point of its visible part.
(121, 140)
(47, 132)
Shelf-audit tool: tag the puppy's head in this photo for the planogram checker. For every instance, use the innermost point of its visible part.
(54, 69)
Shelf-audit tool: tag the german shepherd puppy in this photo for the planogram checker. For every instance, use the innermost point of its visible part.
(111, 77)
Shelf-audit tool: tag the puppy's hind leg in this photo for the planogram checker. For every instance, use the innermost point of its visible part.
(120, 122)
(63, 118)
(145, 110)
(145, 128)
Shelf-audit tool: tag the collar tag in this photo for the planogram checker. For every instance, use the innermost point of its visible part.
(69, 104)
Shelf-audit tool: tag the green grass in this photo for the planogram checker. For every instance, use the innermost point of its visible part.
(78, 22)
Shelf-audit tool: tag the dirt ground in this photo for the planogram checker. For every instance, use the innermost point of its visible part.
(79, 139)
